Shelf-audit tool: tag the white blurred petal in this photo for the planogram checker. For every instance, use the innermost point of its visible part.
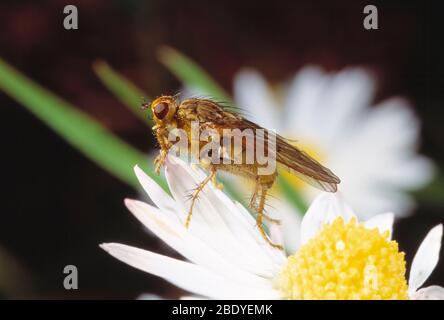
(372, 149)
(429, 293)
(378, 197)
(149, 296)
(409, 173)
(252, 94)
(426, 258)
(191, 298)
(303, 100)
(339, 100)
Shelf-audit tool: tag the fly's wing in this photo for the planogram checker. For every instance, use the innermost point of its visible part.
(210, 114)
(299, 163)
(305, 167)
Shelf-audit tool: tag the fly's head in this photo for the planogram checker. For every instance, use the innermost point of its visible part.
(164, 110)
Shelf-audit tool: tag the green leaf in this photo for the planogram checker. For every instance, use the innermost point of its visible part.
(292, 194)
(191, 74)
(76, 127)
(124, 90)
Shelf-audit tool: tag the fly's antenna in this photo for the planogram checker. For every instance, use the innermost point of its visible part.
(145, 104)
(178, 95)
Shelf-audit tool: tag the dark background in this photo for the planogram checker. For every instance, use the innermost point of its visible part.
(57, 206)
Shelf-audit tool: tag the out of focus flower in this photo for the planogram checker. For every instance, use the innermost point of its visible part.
(340, 258)
(372, 149)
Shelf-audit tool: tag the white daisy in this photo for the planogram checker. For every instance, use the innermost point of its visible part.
(228, 259)
(372, 149)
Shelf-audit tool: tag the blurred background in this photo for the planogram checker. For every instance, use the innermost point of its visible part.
(57, 205)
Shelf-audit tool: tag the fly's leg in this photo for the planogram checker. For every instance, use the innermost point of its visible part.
(254, 205)
(272, 220)
(264, 185)
(257, 203)
(195, 195)
(206, 164)
(253, 200)
(162, 138)
(159, 161)
(260, 216)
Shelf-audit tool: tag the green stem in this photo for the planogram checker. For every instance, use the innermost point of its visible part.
(76, 127)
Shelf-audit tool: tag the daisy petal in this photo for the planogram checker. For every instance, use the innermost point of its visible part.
(429, 293)
(214, 221)
(251, 92)
(191, 298)
(185, 275)
(324, 209)
(290, 223)
(383, 222)
(276, 234)
(426, 258)
(302, 102)
(149, 296)
(160, 198)
(177, 237)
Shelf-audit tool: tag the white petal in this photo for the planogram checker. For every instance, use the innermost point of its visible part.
(340, 102)
(409, 172)
(304, 100)
(191, 298)
(159, 197)
(390, 131)
(149, 296)
(252, 94)
(276, 234)
(361, 174)
(278, 257)
(290, 222)
(391, 125)
(350, 92)
(426, 258)
(177, 237)
(429, 293)
(383, 222)
(185, 275)
(216, 221)
(324, 209)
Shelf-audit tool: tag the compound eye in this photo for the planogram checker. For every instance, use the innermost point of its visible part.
(161, 110)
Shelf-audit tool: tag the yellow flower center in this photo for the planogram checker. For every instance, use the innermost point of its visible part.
(345, 261)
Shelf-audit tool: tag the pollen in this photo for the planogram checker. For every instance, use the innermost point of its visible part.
(345, 261)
